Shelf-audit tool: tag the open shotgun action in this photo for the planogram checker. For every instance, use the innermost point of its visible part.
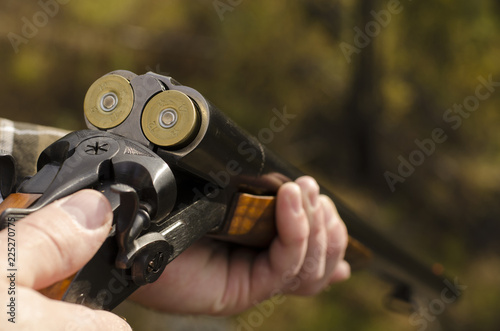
(176, 169)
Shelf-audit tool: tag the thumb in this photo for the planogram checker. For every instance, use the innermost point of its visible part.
(53, 244)
(58, 240)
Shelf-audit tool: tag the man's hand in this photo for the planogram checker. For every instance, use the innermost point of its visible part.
(212, 277)
(51, 245)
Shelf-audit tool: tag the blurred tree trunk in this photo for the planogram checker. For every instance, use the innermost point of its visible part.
(363, 105)
(356, 126)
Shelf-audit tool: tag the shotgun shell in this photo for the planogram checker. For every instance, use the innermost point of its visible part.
(108, 101)
(170, 119)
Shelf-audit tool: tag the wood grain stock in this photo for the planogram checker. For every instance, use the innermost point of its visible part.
(18, 200)
(251, 223)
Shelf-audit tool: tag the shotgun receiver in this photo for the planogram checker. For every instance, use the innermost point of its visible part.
(175, 169)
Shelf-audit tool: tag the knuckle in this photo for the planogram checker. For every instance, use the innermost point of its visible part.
(316, 231)
(301, 237)
(49, 243)
(308, 183)
(337, 231)
(336, 249)
(317, 223)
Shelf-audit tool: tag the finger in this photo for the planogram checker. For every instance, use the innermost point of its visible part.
(313, 269)
(288, 250)
(337, 243)
(286, 254)
(37, 312)
(341, 272)
(58, 240)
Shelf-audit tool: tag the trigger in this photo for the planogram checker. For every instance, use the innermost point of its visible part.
(130, 222)
(146, 255)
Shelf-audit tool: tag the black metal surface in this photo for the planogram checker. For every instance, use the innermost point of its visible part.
(7, 174)
(130, 221)
(88, 158)
(99, 284)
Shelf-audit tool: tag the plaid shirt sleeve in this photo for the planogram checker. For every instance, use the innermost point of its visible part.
(25, 142)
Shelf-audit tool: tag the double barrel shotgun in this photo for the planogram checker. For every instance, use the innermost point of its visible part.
(175, 169)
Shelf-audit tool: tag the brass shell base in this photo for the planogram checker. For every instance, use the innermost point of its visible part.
(186, 122)
(93, 105)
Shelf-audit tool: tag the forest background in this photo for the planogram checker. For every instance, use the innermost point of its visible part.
(370, 83)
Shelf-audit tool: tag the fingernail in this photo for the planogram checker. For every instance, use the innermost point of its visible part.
(88, 208)
(295, 200)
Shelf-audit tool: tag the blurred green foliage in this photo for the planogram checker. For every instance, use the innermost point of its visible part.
(355, 116)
